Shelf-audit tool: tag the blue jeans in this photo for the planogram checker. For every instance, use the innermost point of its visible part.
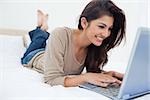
(38, 42)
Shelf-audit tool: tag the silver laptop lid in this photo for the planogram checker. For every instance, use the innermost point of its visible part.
(137, 75)
(149, 61)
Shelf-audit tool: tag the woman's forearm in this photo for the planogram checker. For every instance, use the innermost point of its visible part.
(74, 80)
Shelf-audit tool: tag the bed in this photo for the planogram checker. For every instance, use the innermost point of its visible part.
(20, 83)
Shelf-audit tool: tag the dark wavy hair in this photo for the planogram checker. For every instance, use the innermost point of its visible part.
(97, 55)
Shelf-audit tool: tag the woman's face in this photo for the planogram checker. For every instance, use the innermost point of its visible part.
(99, 29)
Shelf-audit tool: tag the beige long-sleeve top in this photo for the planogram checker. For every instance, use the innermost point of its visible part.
(58, 60)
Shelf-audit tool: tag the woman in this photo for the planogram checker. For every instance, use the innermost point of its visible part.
(101, 27)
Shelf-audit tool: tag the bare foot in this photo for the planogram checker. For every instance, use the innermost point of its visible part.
(44, 23)
(40, 18)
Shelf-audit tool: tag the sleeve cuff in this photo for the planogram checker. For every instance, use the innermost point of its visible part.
(57, 81)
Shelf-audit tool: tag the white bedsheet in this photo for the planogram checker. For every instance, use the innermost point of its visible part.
(20, 83)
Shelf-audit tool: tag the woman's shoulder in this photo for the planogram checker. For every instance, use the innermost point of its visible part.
(62, 32)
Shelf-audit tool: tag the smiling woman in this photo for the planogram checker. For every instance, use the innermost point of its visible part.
(101, 27)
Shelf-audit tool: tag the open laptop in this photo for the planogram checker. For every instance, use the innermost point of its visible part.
(136, 81)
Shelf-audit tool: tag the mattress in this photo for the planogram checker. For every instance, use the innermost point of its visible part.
(20, 83)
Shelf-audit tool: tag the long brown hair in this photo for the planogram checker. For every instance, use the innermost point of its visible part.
(97, 55)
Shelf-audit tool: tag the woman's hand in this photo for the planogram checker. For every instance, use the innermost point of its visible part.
(115, 74)
(100, 79)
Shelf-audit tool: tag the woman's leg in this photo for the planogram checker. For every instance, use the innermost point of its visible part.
(38, 36)
(38, 40)
(41, 23)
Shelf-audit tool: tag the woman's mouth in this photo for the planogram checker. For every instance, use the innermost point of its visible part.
(99, 38)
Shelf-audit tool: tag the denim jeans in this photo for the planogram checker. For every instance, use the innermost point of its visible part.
(38, 42)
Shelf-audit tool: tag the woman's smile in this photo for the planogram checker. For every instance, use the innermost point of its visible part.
(99, 39)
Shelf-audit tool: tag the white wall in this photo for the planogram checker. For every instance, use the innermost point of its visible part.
(148, 13)
(22, 14)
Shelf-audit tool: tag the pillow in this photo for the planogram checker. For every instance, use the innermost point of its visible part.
(11, 45)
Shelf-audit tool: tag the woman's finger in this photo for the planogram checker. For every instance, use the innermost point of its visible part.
(107, 79)
(103, 84)
(118, 75)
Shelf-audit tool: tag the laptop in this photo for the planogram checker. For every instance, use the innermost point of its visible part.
(136, 81)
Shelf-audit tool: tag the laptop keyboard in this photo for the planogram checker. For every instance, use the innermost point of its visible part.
(112, 90)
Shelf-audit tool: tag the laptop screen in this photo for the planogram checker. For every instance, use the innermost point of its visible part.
(137, 75)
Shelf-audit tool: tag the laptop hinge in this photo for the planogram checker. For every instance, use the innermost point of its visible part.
(126, 96)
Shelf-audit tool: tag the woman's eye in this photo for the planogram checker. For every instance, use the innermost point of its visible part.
(101, 26)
